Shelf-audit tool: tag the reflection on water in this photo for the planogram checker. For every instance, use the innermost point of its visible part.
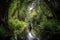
(31, 6)
(29, 36)
(15, 37)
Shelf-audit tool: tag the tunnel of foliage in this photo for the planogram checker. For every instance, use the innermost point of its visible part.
(14, 18)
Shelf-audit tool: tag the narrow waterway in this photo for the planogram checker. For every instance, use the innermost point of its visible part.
(30, 35)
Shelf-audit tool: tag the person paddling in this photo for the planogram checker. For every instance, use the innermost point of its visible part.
(29, 26)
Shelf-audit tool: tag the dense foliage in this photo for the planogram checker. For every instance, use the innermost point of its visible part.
(44, 16)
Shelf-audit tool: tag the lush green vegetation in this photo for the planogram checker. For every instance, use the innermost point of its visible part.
(45, 18)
